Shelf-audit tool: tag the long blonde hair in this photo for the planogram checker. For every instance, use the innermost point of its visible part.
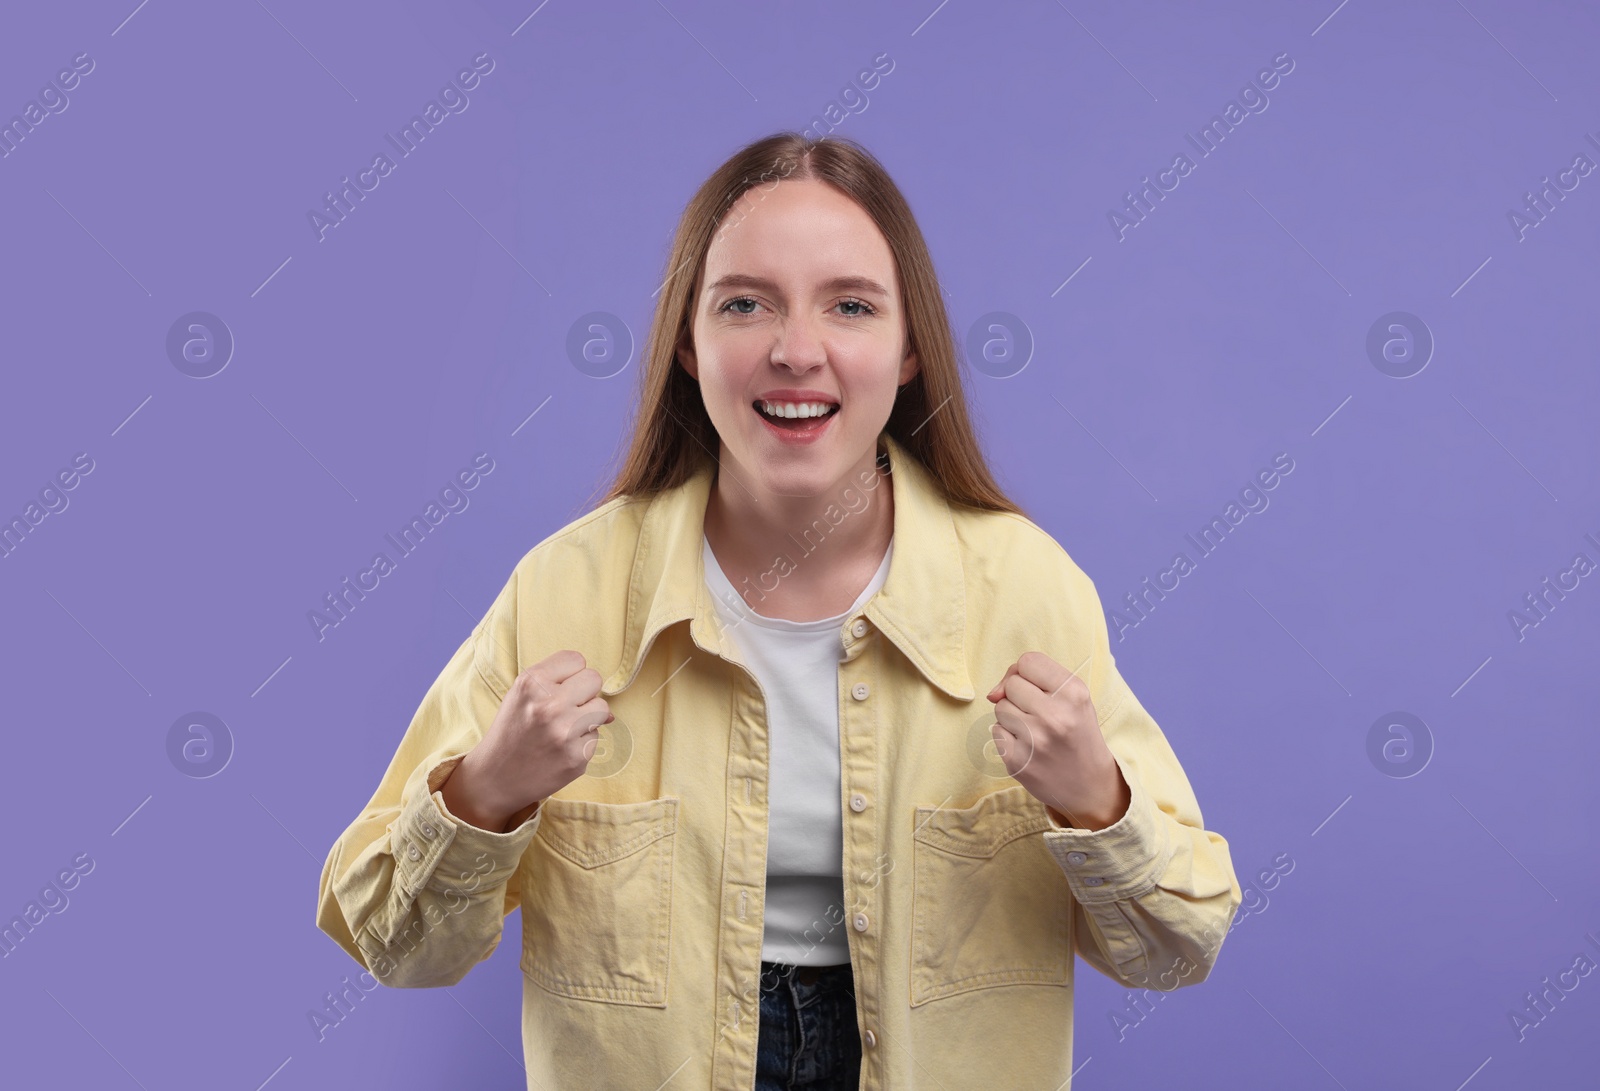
(672, 435)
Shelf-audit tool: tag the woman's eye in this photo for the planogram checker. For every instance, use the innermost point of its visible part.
(731, 305)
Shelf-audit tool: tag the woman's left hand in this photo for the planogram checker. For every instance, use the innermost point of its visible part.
(1049, 738)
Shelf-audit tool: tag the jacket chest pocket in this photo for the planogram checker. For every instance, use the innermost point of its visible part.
(990, 905)
(596, 886)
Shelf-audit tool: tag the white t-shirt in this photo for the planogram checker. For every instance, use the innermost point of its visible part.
(797, 666)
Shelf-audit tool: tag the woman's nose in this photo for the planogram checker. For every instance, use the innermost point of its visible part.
(799, 344)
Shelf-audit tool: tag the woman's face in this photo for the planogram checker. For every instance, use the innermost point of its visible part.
(799, 303)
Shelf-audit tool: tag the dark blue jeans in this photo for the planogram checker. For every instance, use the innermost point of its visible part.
(809, 1040)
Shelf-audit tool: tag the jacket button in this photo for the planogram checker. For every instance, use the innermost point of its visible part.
(411, 851)
(428, 831)
(859, 691)
(1093, 880)
(859, 628)
(1076, 857)
(858, 802)
(861, 922)
(870, 1038)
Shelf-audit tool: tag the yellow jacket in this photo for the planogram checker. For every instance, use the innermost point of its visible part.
(641, 882)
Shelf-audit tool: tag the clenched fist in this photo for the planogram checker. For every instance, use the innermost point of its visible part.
(541, 740)
(1050, 740)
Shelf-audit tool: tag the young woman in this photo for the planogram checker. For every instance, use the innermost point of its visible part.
(804, 753)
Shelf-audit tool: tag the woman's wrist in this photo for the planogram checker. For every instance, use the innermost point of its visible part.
(469, 796)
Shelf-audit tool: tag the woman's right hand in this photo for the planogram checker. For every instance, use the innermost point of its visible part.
(541, 740)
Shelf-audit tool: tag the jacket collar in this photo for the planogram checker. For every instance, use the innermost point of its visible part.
(921, 606)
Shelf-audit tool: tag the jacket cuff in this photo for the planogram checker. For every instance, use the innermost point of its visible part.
(427, 841)
(1120, 861)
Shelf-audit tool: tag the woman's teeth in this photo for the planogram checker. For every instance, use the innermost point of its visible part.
(800, 409)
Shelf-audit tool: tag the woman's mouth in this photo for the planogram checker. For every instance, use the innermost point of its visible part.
(803, 427)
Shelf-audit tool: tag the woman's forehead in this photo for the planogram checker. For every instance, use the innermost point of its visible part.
(798, 242)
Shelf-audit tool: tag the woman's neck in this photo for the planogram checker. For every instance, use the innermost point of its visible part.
(800, 558)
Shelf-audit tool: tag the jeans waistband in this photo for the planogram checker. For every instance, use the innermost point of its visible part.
(772, 972)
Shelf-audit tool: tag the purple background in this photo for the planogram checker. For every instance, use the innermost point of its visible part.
(1229, 326)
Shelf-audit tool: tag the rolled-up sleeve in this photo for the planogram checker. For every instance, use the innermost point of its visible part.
(415, 894)
(1155, 891)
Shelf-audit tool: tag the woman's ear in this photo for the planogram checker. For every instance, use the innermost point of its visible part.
(686, 358)
(909, 368)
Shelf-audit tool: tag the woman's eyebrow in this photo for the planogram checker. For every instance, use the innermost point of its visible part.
(847, 283)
